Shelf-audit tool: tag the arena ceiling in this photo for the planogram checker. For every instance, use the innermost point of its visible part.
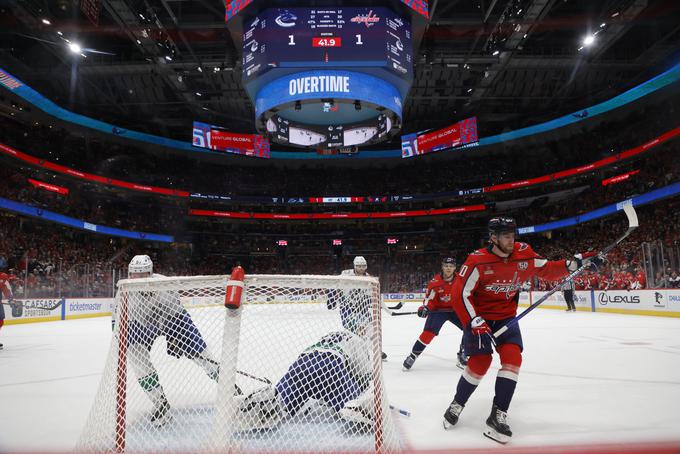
(167, 62)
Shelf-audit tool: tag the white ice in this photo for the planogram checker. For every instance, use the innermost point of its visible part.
(586, 378)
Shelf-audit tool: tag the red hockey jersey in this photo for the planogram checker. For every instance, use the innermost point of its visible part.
(438, 294)
(5, 288)
(487, 285)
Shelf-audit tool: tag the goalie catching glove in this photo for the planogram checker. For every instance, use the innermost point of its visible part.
(260, 410)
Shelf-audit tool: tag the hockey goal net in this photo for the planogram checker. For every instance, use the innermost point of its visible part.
(297, 367)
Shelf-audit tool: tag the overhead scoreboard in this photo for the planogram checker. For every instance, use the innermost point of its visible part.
(327, 37)
(328, 77)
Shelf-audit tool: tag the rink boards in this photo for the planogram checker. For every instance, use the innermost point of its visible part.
(658, 302)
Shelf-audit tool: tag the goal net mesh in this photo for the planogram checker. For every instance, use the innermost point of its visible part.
(296, 368)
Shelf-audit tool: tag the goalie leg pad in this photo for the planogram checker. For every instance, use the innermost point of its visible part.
(317, 375)
(183, 337)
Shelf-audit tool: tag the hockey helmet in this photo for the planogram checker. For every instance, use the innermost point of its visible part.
(140, 264)
(501, 225)
(449, 261)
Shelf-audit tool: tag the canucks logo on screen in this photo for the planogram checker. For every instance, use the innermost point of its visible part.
(285, 19)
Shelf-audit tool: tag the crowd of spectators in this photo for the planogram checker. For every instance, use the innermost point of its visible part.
(52, 261)
(426, 174)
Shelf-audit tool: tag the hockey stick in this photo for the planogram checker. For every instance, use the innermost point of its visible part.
(431, 312)
(260, 379)
(388, 309)
(632, 225)
(401, 411)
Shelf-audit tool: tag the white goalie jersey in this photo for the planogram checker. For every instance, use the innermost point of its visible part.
(351, 272)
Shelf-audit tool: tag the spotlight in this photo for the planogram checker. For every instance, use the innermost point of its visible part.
(495, 52)
(168, 58)
(46, 22)
(75, 48)
(298, 105)
(588, 40)
(357, 105)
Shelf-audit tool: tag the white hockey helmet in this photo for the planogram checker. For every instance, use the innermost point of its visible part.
(360, 262)
(140, 264)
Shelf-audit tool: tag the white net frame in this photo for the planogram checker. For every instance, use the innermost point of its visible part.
(297, 368)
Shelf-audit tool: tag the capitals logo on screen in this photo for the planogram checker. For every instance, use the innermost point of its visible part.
(369, 19)
(286, 19)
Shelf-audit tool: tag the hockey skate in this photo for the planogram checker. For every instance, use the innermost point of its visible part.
(451, 415)
(408, 362)
(161, 413)
(461, 360)
(496, 426)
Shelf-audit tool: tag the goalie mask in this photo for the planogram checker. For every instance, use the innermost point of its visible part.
(140, 266)
(360, 265)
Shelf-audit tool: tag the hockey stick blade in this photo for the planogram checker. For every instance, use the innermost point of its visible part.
(401, 411)
(397, 306)
(633, 224)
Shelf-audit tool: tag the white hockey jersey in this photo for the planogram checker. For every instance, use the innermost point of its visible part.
(351, 272)
(353, 349)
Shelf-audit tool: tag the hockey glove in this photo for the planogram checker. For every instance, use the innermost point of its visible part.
(593, 260)
(423, 311)
(480, 328)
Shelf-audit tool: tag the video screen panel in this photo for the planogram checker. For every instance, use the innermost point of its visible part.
(217, 139)
(334, 36)
(458, 134)
(233, 7)
(419, 6)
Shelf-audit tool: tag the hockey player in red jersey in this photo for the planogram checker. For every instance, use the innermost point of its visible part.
(437, 309)
(5, 292)
(485, 295)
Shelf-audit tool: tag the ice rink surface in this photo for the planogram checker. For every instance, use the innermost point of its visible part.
(586, 378)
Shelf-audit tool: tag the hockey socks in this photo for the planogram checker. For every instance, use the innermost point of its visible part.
(418, 347)
(506, 380)
(472, 375)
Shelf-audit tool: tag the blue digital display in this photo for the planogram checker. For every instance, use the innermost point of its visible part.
(327, 38)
